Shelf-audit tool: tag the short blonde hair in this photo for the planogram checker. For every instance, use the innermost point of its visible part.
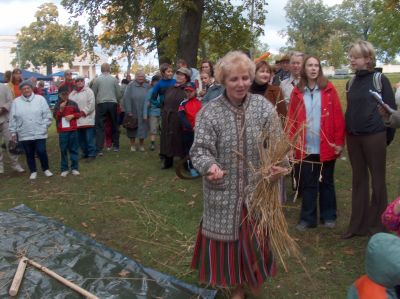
(364, 49)
(231, 61)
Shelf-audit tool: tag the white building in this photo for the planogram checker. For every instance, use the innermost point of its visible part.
(7, 42)
(81, 64)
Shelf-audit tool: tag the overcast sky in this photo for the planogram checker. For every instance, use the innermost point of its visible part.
(15, 14)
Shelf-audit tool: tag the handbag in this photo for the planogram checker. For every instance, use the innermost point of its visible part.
(15, 147)
(130, 122)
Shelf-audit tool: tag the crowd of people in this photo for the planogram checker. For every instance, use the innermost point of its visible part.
(213, 119)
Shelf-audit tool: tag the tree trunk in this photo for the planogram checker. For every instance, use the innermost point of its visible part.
(129, 57)
(189, 34)
(162, 58)
(49, 68)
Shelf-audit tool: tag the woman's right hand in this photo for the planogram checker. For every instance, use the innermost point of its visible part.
(214, 173)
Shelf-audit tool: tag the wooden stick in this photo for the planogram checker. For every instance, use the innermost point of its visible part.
(18, 277)
(64, 281)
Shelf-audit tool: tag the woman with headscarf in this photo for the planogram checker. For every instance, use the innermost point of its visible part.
(134, 101)
(171, 141)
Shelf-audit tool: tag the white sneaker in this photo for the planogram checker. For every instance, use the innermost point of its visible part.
(48, 173)
(133, 148)
(18, 168)
(33, 176)
(64, 173)
(75, 172)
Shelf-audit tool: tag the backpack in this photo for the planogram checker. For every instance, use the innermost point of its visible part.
(377, 83)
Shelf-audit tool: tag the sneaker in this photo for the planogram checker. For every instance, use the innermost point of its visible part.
(194, 173)
(152, 147)
(133, 148)
(1, 169)
(48, 173)
(64, 173)
(302, 226)
(116, 149)
(141, 148)
(75, 172)
(100, 153)
(18, 168)
(33, 176)
(330, 224)
(108, 149)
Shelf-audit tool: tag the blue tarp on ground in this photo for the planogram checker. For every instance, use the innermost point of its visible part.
(80, 259)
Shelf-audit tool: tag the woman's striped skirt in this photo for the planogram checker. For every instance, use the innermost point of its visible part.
(227, 264)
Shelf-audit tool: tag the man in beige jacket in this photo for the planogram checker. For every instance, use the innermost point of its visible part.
(5, 104)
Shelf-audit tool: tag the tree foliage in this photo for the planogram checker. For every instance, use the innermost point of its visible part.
(309, 26)
(178, 28)
(315, 28)
(46, 42)
(386, 28)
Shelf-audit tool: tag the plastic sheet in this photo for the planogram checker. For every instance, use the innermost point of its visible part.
(79, 259)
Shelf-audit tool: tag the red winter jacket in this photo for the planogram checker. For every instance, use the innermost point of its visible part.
(71, 108)
(332, 130)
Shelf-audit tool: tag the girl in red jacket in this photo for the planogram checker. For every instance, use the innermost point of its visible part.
(316, 127)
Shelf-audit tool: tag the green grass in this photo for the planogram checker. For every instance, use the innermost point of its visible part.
(126, 202)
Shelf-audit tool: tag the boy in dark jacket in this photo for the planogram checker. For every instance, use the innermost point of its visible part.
(66, 112)
(188, 109)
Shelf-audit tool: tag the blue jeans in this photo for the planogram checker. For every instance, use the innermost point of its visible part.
(69, 143)
(86, 137)
(312, 187)
(37, 146)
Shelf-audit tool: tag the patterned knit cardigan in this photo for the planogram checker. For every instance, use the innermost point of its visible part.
(229, 136)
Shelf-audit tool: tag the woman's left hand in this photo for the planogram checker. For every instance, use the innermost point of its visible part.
(338, 149)
(69, 117)
(276, 172)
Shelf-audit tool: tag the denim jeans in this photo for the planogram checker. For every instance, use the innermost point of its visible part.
(32, 147)
(313, 188)
(69, 143)
(86, 137)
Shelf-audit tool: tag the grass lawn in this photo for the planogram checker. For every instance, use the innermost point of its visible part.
(126, 202)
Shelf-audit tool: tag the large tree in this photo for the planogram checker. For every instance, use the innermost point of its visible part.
(309, 26)
(176, 27)
(46, 42)
(386, 27)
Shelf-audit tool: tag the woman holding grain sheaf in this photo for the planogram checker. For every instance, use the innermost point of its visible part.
(228, 254)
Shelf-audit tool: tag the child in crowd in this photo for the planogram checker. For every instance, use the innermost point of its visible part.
(66, 112)
(160, 88)
(152, 113)
(382, 265)
(188, 109)
(391, 216)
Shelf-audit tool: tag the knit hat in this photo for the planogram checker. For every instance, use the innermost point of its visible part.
(190, 86)
(24, 83)
(185, 71)
(80, 78)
